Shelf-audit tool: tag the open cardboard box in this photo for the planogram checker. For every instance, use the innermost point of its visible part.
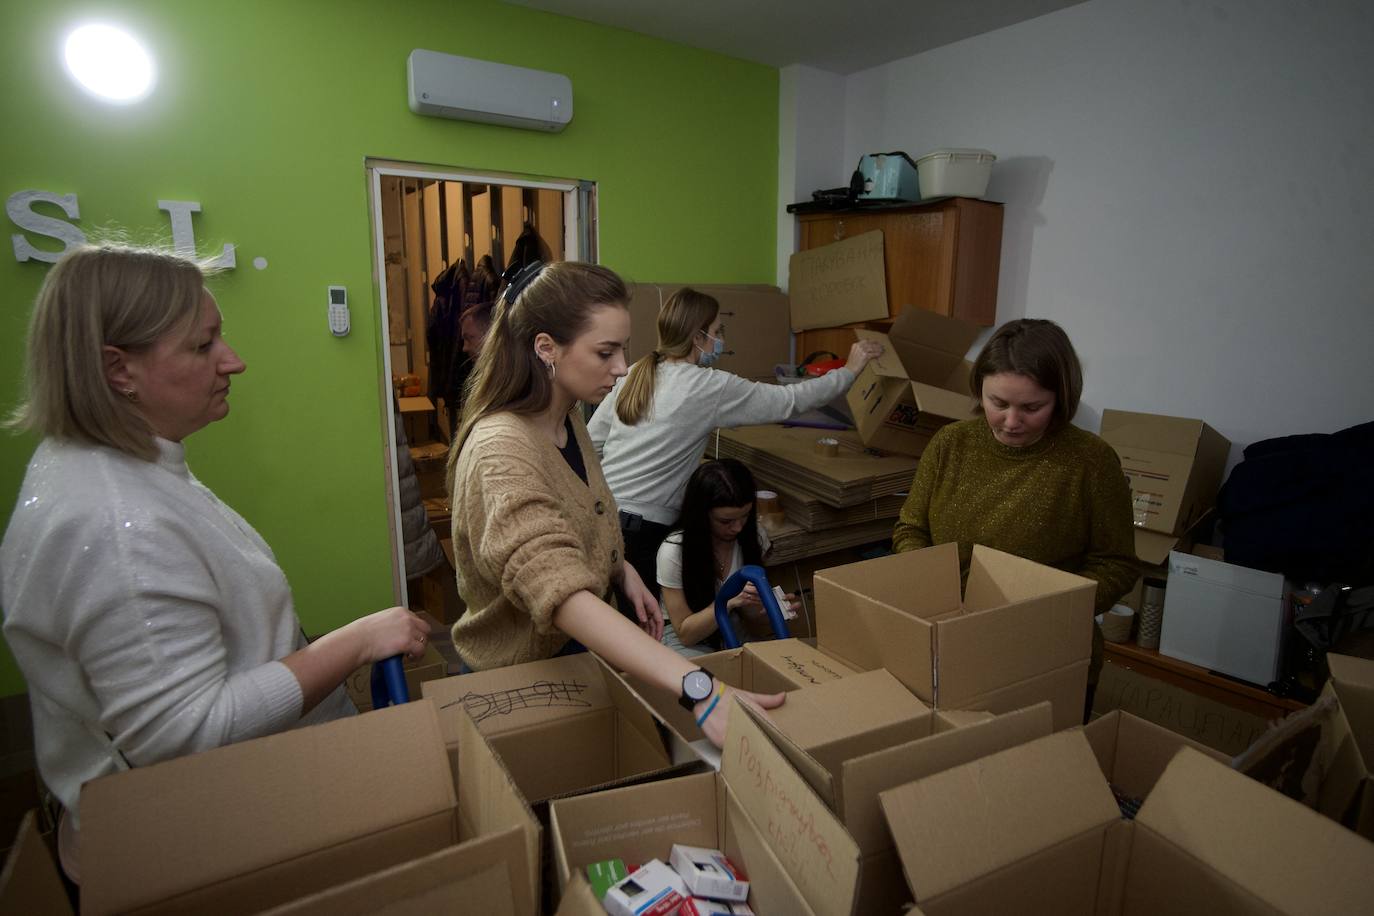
(264, 823)
(756, 809)
(920, 383)
(1347, 788)
(760, 667)
(1133, 752)
(853, 738)
(561, 726)
(428, 667)
(1016, 634)
(1174, 466)
(1035, 829)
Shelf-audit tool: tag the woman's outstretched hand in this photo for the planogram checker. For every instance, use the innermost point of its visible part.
(719, 717)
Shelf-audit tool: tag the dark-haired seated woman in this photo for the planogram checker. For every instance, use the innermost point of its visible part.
(716, 534)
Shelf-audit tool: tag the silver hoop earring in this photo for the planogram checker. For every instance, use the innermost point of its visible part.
(131, 394)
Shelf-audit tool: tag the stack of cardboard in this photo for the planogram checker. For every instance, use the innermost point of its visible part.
(788, 458)
(812, 514)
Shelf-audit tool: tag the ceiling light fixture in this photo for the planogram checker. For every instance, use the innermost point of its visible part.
(109, 63)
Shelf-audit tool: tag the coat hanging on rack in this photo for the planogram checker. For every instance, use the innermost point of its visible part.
(442, 335)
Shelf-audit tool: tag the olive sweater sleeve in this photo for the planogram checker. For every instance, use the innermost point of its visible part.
(1110, 558)
(912, 531)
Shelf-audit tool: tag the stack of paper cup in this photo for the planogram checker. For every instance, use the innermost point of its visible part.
(769, 509)
(1116, 624)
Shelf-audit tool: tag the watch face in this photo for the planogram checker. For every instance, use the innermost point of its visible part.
(697, 685)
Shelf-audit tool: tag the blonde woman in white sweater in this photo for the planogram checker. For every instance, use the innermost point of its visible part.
(149, 619)
(651, 430)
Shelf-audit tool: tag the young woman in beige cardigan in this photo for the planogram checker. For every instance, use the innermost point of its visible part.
(536, 536)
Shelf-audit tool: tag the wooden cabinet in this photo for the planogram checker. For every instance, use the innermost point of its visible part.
(941, 256)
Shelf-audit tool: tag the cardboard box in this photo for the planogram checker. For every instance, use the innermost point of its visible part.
(1133, 752)
(1219, 726)
(1035, 829)
(771, 666)
(848, 764)
(429, 667)
(29, 882)
(1017, 633)
(562, 726)
(1225, 618)
(1347, 788)
(757, 333)
(263, 823)
(1174, 466)
(452, 880)
(757, 810)
(920, 383)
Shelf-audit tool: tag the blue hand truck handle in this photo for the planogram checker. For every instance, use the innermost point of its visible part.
(732, 587)
(389, 683)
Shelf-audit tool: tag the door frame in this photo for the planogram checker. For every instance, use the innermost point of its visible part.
(581, 241)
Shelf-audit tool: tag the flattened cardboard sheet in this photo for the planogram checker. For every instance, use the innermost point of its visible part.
(840, 283)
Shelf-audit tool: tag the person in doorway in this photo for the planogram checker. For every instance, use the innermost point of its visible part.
(716, 534)
(651, 431)
(535, 536)
(149, 619)
(1021, 478)
(474, 324)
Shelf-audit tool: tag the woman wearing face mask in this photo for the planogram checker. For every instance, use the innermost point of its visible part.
(651, 430)
(1021, 478)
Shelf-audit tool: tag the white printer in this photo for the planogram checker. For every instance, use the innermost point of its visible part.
(1225, 618)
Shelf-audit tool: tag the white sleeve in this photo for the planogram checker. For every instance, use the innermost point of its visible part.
(744, 403)
(145, 629)
(669, 565)
(599, 426)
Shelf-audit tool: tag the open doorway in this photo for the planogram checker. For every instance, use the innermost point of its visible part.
(442, 239)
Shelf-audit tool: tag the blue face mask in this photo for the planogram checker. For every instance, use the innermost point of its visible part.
(709, 357)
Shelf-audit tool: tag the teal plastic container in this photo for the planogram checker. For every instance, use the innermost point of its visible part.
(889, 176)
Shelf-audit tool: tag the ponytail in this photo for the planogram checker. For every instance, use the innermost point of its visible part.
(685, 314)
(557, 300)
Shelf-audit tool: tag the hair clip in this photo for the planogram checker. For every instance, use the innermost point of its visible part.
(517, 280)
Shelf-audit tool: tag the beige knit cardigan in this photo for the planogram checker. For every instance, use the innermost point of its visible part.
(527, 535)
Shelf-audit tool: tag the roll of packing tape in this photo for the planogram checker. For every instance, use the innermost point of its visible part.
(827, 447)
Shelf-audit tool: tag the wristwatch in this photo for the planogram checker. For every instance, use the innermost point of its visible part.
(697, 685)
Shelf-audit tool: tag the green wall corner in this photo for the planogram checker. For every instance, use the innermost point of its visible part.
(264, 113)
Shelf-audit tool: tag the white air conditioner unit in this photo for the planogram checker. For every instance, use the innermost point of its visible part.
(448, 86)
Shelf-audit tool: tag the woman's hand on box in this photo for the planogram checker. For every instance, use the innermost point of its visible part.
(720, 706)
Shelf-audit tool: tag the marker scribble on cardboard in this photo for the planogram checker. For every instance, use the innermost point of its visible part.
(539, 695)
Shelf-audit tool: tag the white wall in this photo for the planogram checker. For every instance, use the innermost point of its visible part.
(811, 116)
(1188, 190)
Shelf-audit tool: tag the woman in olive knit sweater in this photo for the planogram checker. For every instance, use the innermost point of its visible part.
(1022, 479)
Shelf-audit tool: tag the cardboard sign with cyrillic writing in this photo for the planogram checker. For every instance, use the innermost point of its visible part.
(819, 856)
(837, 284)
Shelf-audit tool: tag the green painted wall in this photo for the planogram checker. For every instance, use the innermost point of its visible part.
(264, 114)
